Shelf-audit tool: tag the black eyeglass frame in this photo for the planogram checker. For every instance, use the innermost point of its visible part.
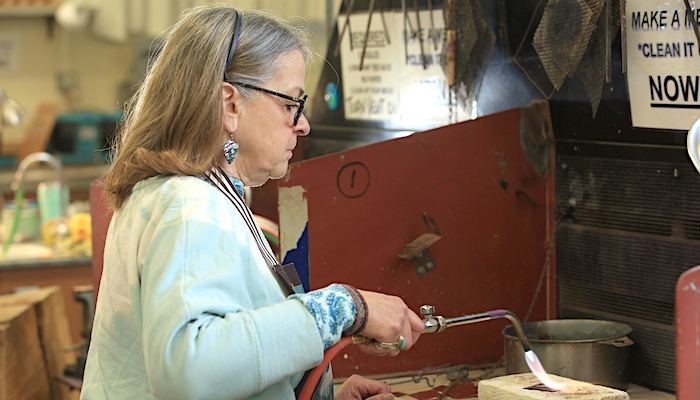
(301, 101)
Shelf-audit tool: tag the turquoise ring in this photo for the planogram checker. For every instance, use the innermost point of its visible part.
(400, 343)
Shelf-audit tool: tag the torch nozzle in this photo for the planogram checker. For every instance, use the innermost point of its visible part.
(518, 329)
(434, 323)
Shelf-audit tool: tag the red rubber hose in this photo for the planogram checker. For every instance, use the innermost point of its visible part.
(308, 390)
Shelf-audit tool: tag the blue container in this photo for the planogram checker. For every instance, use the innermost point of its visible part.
(82, 137)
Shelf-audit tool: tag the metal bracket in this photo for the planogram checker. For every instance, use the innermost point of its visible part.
(418, 250)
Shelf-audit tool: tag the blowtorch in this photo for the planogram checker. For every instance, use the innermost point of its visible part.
(437, 323)
(432, 323)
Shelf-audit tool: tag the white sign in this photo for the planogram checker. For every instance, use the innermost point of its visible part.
(370, 84)
(9, 53)
(391, 82)
(663, 63)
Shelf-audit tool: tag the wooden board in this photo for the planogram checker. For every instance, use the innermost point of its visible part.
(67, 276)
(50, 327)
(39, 131)
(488, 184)
(23, 373)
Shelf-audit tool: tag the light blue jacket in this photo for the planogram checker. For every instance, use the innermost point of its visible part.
(188, 308)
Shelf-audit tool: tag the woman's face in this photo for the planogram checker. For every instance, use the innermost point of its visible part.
(265, 128)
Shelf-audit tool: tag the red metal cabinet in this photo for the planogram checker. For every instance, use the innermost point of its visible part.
(688, 335)
(488, 184)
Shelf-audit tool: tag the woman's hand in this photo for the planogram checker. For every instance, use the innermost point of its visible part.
(389, 318)
(357, 387)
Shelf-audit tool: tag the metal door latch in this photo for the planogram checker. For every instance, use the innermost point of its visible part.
(418, 250)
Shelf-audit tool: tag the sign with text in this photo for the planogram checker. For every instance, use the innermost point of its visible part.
(399, 77)
(663, 64)
(9, 54)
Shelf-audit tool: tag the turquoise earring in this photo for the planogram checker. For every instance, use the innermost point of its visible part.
(230, 150)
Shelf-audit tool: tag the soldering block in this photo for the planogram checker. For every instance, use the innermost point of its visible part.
(515, 387)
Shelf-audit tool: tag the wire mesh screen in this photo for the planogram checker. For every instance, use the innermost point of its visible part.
(474, 44)
(572, 38)
(592, 69)
(626, 231)
(563, 35)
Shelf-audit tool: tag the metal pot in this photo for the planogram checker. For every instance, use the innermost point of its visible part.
(581, 349)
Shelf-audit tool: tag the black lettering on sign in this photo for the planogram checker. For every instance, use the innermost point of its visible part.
(660, 50)
(674, 91)
(694, 15)
(353, 179)
(370, 106)
(649, 20)
(375, 39)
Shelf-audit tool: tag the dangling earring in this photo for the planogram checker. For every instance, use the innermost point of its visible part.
(230, 149)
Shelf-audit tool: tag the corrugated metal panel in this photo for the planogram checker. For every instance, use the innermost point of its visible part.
(627, 230)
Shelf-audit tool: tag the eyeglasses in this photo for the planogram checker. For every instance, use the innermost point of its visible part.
(234, 41)
(301, 101)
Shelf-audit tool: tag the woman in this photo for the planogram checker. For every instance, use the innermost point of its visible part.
(192, 305)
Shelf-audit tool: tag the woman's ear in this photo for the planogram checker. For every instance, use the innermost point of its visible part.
(230, 98)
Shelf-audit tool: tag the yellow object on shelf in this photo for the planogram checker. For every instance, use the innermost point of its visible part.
(80, 226)
(49, 231)
(69, 237)
(76, 240)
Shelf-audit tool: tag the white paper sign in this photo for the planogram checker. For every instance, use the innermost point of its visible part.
(370, 84)
(9, 53)
(393, 83)
(663, 63)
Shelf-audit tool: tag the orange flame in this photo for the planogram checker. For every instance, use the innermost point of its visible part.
(536, 367)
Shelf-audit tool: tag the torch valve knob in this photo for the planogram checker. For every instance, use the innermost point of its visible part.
(427, 310)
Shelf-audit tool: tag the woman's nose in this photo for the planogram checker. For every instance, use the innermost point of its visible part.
(303, 127)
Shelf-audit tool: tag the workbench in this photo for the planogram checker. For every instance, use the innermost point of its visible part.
(66, 272)
(460, 382)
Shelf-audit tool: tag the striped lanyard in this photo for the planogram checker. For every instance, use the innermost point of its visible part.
(286, 275)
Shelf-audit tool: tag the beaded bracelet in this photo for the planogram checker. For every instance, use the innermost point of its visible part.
(362, 311)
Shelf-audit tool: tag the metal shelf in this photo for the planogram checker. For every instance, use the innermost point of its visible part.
(26, 12)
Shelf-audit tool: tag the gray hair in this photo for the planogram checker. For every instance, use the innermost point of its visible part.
(174, 123)
(263, 38)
